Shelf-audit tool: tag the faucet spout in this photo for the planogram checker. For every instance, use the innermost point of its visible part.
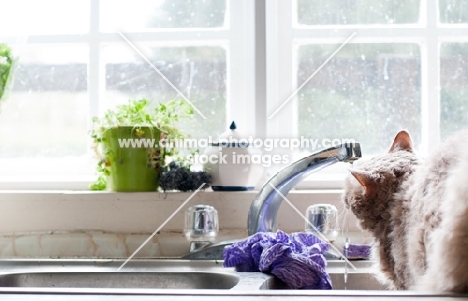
(264, 208)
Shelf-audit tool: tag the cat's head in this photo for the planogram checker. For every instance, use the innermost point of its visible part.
(372, 182)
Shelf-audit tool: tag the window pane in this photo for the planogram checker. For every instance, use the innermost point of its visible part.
(453, 11)
(46, 113)
(198, 72)
(43, 17)
(150, 14)
(367, 92)
(454, 87)
(333, 12)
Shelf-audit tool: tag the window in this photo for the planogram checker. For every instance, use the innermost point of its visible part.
(75, 65)
(405, 66)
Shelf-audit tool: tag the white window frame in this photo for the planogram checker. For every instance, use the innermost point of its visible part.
(236, 35)
(262, 35)
(284, 34)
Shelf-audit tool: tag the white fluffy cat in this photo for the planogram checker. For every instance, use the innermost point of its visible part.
(417, 212)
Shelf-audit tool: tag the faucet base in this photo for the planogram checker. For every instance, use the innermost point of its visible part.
(198, 245)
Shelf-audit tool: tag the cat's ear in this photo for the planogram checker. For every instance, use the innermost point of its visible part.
(402, 141)
(366, 180)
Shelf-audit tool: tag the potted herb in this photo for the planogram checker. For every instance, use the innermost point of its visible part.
(127, 140)
(7, 62)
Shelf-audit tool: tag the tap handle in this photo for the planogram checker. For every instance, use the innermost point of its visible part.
(201, 223)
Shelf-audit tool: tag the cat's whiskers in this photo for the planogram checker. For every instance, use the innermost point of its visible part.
(342, 211)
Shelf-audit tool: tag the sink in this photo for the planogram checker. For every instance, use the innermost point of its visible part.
(136, 274)
(359, 279)
(154, 280)
(161, 274)
(181, 279)
(355, 281)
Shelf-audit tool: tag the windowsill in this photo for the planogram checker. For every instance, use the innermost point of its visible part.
(81, 183)
(45, 183)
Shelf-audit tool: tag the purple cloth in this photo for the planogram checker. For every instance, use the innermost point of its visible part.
(297, 259)
(358, 251)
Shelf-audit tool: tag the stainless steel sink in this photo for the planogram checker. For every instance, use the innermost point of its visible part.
(360, 279)
(155, 280)
(181, 279)
(161, 274)
(355, 281)
(137, 274)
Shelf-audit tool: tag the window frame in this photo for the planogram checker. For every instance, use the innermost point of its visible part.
(429, 33)
(260, 35)
(240, 61)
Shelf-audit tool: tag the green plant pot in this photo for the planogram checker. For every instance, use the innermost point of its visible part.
(134, 167)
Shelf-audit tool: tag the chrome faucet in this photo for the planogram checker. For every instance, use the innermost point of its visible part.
(264, 208)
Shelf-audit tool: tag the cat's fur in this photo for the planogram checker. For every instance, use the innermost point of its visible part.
(417, 212)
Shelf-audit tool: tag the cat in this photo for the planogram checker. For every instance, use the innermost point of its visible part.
(416, 210)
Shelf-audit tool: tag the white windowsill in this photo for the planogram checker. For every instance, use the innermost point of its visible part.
(46, 183)
(38, 182)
